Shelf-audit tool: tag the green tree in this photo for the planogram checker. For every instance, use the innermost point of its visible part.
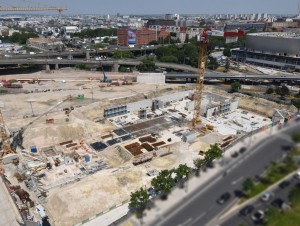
(278, 90)
(19, 37)
(169, 59)
(139, 200)
(123, 69)
(227, 65)
(270, 90)
(285, 90)
(147, 65)
(227, 52)
(99, 32)
(212, 63)
(214, 152)
(199, 163)
(296, 137)
(118, 54)
(163, 182)
(248, 185)
(182, 173)
(235, 87)
(296, 103)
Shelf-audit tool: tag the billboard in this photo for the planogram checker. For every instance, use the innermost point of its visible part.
(131, 37)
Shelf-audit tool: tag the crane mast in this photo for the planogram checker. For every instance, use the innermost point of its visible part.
(6, 147)
(199, 81)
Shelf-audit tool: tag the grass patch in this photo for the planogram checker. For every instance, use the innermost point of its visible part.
(295, 152)
(277, 217)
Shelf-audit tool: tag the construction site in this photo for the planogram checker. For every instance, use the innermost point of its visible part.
(72, 138)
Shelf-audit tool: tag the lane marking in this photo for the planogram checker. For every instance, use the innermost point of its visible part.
(185, 222)
(237, 180)
(198, 218)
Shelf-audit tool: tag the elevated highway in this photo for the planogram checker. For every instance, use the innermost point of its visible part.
(190, 73)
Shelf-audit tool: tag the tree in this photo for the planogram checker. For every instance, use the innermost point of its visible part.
(227, 66)
(118, 54)
(282, 91)
(270, 90)
(296, 137)
(212, 63)
(99, 32)
(214, 152)
(163, 182)
(297, 95)
(285, 90)
(235, 86)
(147, 65)
(139, 200)
(227, 52)
(248, 185)
(199, 163)
(182, 172)
(296, 103)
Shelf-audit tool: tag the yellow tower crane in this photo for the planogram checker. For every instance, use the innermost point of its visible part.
(200, 79)
(31, 8)
(6, 147)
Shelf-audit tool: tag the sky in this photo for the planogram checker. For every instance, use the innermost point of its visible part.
(167, 6)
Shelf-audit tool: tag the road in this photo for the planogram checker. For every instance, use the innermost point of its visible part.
(201, 207)
(283, 194)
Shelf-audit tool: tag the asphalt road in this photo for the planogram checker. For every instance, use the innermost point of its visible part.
(201, 207)
(260, 205)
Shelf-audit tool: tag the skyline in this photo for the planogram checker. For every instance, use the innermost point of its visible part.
(175, 6)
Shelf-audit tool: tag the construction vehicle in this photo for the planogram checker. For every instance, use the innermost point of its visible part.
(49, 120)
(210, 127)
(105, 78)
(200, 79)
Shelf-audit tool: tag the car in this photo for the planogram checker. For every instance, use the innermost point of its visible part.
(247, 210)
(235, 154)
(223, 198)
(242, 150)
(59, 58)
(257, 178)
(266, 196)
(284, 184)
(277, 203)
(258, 216)
(297, 175)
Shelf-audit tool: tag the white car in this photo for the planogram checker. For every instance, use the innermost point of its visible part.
(59, 58)
(266, 196)
(297, 175)
(258, 216)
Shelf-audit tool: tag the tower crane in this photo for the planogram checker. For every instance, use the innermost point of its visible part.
(32, 8)
(200, 78)
(6, 147)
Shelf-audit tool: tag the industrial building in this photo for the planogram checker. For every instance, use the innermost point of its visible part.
(276, 50)
(141, 36)
(45, 43)
(245, 26)
(211, 105)
(161, 22)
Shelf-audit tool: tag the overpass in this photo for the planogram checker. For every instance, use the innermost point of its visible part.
(190, 75)
(216, 75)
(83, 53)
